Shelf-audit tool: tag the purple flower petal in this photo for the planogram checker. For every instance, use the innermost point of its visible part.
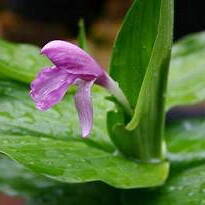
(83, 103)
(50, 86)
(72, 58)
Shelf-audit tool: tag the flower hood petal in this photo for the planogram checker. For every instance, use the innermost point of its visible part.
(71, 58)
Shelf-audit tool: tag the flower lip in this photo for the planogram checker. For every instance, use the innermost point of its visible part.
(50, 86)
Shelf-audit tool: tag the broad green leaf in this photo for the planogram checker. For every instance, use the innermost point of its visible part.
(15, 180)
(186, 136)
(49, 143)
(74, 161)
(133, 47)
(186, 142)
(186, 79)
(149, 24)
(2, 76)
(74, 194)
(150, 105)
(182, 188)
(20, 61)
(135, 43)
(19, 116)
(186, 184)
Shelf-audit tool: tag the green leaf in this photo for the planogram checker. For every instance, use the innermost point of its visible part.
(15, 180)
(20, 61)
(186, 136)
(2, 76)
(19, 116)
(186, 142)
(186, 79)
(150, 104)
(187, 187)
(75, 161)
(82, 36)
(140, 64)
(49, 143)
(183, 188)
(186, 184)
(73, 194)
(135, 43)
(133, 47)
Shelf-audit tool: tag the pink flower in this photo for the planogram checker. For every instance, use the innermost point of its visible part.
(72, 65)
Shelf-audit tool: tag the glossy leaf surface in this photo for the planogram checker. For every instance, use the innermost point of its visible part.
(186, 79)
(133, 47)
(20, 61)
(49, 143)
(16, 180)
(186, 183)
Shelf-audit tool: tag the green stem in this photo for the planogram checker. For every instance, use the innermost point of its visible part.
(114, 89)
